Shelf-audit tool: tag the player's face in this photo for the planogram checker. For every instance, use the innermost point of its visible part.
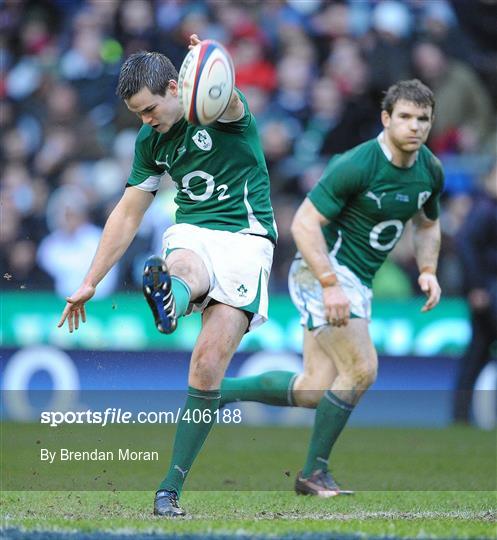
(408, 126)
(160, 112)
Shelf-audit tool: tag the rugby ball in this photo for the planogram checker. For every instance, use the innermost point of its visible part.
(206, 81)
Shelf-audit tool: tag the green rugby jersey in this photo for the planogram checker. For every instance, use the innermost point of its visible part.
(368, 200)
(219, 171)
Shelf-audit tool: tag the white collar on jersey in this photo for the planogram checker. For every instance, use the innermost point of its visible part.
(383, 145)
(386, 150)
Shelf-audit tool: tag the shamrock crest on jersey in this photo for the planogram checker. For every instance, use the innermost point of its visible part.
(203, 140)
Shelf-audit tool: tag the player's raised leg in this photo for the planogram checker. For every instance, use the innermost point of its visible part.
(222, 330)
(169, 286)
(351, 351)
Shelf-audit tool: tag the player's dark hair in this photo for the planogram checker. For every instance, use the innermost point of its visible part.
(413, 90)
(145, 69)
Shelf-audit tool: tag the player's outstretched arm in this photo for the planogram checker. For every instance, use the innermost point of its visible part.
(119, 231)
(427, 238)
(306, 230)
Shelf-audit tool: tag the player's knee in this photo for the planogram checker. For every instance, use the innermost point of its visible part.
(205, 373)
(364, 375)
(309, 398)
(182, 268)
(203, 378)
(190, 270)
(307, 392)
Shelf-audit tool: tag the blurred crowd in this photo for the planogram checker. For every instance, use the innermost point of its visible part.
(313, 72)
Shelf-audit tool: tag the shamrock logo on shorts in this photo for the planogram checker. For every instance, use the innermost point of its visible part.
(242, 290)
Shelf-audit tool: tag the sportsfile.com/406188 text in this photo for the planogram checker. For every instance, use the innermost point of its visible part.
(113, 415)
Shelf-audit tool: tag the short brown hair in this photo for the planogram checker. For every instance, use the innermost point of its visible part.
(145, 69)
(413, 90)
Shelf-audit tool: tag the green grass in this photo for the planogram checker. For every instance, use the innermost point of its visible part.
(396, 514)
(242, 458)
(423, 483)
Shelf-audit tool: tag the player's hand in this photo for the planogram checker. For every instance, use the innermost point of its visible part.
(75, 307)
(194, 40)
(429, 285)
(336, 305)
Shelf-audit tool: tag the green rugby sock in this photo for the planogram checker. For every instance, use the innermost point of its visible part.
(272, 387)
(182, 295)
(190, 435)
(332, 414)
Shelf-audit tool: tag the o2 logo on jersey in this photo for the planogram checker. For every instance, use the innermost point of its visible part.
(422, 198)
(203, 140)
(374, 235)
(209, 187)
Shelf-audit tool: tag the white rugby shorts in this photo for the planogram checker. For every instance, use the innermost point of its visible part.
(307, 294)
(238, 265)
